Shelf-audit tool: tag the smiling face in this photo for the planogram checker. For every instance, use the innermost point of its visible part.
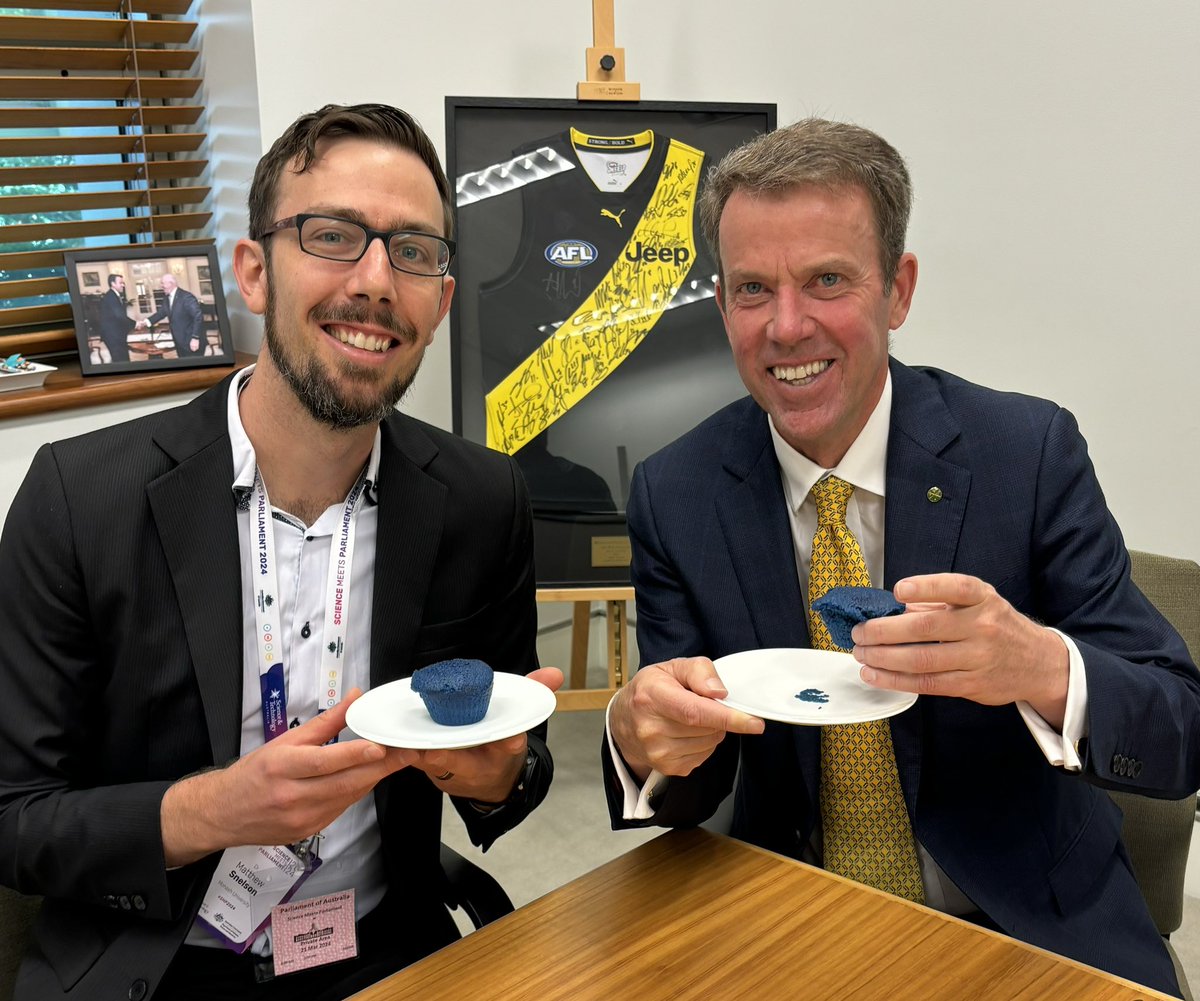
(348, 337)
(805, 310)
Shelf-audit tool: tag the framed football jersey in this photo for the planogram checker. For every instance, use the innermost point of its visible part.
(584, 335)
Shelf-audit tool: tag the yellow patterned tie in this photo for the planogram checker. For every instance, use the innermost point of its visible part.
(868, 836)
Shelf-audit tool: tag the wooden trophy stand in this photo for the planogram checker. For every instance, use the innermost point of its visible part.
(605, 67)
(605, 63)
(575, 694)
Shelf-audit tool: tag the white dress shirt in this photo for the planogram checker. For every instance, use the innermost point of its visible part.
(865, 467)
(351, 849)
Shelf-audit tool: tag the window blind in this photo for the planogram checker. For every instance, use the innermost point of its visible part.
(100, 147)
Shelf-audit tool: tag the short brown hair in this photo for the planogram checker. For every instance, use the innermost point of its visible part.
(298, 145)
(825, 154)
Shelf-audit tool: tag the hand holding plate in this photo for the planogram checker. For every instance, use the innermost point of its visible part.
(488, 771)
(666, 719)
(286, 790)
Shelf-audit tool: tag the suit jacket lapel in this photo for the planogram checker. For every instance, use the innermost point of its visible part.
(754, 518)
(196, 519)
(412, 508)
(920, 533)
(756, 523)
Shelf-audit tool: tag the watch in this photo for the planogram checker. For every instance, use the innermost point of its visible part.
(520, 789)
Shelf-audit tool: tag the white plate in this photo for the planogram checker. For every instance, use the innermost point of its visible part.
(393, 714)
(766, 683)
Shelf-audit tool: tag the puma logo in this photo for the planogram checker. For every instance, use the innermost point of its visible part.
(605, 214)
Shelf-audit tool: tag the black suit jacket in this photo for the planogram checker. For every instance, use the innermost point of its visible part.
(187, 322)
(115, 325)
(121, 612)
(1037, 849)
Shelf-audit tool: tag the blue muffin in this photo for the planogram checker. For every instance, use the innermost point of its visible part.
(842, 608)
(456, 692)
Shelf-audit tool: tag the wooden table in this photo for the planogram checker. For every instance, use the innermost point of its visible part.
(697, 915)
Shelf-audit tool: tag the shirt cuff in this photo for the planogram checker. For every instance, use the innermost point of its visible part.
(636, 802)
(1061, 749)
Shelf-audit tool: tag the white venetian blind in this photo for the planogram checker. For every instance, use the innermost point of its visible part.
(99, 147)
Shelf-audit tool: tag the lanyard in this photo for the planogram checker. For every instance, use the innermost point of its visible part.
(268, 613)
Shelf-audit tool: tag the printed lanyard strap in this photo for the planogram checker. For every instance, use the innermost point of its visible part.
(268, 611)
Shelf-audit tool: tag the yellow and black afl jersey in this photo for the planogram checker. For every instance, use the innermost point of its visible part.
(604, 311)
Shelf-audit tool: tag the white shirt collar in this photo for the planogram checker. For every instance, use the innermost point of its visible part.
(864, 465)
(243, 451)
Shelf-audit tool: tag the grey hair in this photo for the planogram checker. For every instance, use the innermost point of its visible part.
(820, 153)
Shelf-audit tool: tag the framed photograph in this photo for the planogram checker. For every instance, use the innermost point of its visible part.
(584, 335)
(144, 309)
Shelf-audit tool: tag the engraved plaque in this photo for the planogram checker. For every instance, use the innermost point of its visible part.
(611, 551)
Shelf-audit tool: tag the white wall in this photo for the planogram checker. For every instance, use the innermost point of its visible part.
(1053, 147)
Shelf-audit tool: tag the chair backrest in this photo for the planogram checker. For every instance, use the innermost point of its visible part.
(1157, 832)
(16, 921)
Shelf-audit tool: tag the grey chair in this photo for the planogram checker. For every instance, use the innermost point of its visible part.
(1157, 832)
(16, 921)
(467, 886)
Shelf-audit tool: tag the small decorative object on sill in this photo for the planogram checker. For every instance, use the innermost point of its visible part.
(17, 373)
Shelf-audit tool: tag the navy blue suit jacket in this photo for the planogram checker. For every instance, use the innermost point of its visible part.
(187, 322)
(1036, 848)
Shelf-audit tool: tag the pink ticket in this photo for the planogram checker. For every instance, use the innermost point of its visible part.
(314, 932)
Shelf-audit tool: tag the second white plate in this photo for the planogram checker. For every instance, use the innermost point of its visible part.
(815, 687)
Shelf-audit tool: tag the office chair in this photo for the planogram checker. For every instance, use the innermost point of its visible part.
(16, 922)
(467, 886)
(1158, 832)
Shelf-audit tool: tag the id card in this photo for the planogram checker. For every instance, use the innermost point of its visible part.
(314, 932)
(250, 880)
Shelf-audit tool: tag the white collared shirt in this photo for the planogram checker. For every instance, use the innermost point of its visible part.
(865, 467)
(351, 849)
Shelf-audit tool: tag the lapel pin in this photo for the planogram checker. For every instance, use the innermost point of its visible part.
(934, 494)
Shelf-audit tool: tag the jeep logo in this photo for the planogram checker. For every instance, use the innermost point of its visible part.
(678, 256)
(571, 253)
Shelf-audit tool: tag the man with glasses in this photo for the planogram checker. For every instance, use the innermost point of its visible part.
(204, 592)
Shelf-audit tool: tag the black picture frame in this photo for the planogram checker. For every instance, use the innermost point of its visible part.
(579, 464)
(98, 324)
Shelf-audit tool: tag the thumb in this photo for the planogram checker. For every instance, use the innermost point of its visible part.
(697, 674)
(551, 677)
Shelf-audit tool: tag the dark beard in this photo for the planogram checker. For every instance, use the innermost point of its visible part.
(313, 386)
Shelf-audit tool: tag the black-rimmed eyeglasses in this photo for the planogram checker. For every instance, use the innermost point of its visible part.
(338, 239)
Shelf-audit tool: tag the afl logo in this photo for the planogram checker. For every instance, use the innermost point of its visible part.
(571, 253)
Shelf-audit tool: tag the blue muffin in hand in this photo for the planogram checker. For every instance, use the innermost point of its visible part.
(842, 608)
(455, 692)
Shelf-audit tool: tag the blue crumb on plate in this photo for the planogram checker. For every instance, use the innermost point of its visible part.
(842, 608)
(812, 695)
(455, 692)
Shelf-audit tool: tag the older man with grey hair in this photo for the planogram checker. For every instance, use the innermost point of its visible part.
(1043, 673)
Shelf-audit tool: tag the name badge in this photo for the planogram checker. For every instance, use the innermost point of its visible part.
(249, 883)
